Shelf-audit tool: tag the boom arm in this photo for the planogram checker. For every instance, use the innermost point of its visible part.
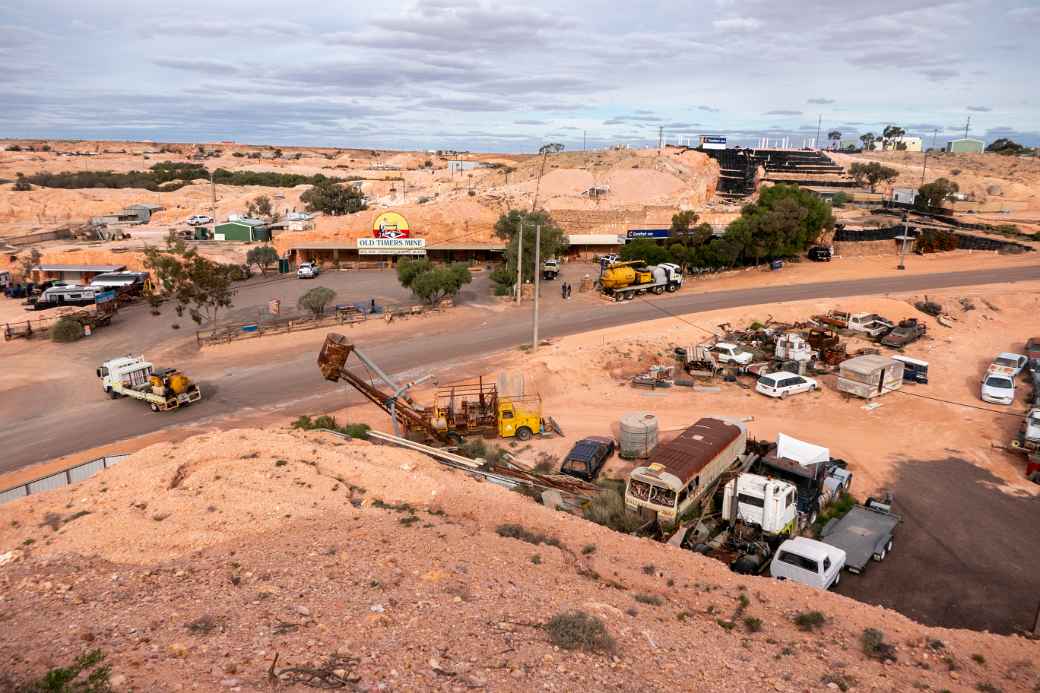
(332, 361)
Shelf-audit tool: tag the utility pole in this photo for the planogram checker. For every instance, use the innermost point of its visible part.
(966, 126)
(660, 136)
(819, 122)
(213, 201)
(924, 165)
(902, 245)
(537, 276)
(519, 261)
(584, 139)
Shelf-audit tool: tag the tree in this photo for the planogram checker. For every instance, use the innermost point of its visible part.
(316, 299)
(682, 221)
(67, 329)
(553, 243)
(27, 262)
(872, 173)
(263, 257)
(646, 250)
(785, 221)
(332, 198)
(260, 206)
(891, 133)
(835, 137)
(1003, 145)
(932, 195)
(21, 184)
(440, 282)
(198, 285)
(408, 269)
(868, 140)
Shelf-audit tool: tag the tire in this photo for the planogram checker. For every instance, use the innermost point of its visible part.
(630, 295)
(837, 580)
(783, 395)
(618, 298)
(814, 388)
(672, 288)
(523, 433)
(154, 407)
(657, 290)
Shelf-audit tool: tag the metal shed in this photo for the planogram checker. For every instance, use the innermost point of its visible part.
(250, 230)
(870, 375)
(966, 145)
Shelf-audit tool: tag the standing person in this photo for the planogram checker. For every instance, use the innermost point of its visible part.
(563, 290)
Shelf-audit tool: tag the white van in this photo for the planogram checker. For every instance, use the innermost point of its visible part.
(809, 562)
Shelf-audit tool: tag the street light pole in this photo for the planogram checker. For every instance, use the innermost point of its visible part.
(519, 261)
(537, 276)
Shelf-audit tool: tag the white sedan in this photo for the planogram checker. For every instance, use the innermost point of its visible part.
(199, 220)
(998, 388)
(782, 383)
(1008, 364)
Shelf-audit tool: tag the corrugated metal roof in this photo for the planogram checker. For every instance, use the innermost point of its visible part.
(866, 364)
(693, 449)
(146, 205)
(252, 223)
(351, 244)
(80, 268)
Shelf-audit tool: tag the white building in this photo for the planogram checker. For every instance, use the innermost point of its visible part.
(913, 144)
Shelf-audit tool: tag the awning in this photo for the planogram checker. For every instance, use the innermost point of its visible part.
(799, 451)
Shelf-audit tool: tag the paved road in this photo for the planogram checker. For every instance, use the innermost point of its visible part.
(293, 386)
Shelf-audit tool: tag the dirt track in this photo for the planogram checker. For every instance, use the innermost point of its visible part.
(40, 429)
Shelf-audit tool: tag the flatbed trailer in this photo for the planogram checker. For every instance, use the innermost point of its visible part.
(158, 402)
(865, 532)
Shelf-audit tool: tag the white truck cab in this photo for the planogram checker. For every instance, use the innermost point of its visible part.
(761, 502)
(808, 562)
(127, 371)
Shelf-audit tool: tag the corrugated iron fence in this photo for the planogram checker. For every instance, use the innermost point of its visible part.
(71, 475)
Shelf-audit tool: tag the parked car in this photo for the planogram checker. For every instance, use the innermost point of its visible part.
(307, 270)
(587, 457)
(808, 562)
(998, 388)
(782, 384)
(199, 220)
(907, 332)
(1008, 364)
(726, 352)
(820, 253)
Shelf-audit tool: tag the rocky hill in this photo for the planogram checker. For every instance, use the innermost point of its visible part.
(237, 560)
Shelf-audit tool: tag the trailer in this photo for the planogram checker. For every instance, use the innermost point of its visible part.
(623, 281)
(865, 532)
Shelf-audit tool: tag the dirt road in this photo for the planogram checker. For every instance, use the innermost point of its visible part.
(44, 425)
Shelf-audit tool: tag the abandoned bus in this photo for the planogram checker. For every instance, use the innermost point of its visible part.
(680, 471)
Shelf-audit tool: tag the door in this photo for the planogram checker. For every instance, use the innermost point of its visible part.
(881, 382)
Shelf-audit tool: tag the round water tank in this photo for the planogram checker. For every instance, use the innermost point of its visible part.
(638, 434)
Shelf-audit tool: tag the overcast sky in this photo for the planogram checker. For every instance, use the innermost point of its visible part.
(505, 76)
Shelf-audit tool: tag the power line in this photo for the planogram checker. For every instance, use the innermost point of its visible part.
(961, 404)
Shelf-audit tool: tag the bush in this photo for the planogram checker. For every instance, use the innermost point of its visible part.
(840, 199)
(936, 241)
(875, 647)
(354, 430)
(169, 175)
(752, 624)
(330, 197)
(316, 299)
(651, 599)
(87, 674)
(21, 184)
(263, 257)
(67, 330)
(607, 508)
(515, 531)
(577, 630)
(810, 620)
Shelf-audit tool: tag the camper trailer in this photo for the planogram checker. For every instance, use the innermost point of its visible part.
(679, 472)
(870, 376)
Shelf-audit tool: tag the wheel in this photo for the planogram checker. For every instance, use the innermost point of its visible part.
(523, 433)
(812, 518)
(630, 295)
(658, 290)
(880, 556)
(814, 388)
(154, 406)
(837, 579)
(112, 394)
(783, 395)
(618, 298)
(672, 288)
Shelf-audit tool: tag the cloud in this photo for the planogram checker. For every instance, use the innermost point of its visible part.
(681, 126)
(939, 74)
(980, 109)
(736, 24)
(709, 109)
(214, 67)
(1025, 14)
(626, 119)
(530, 122)
(782, 112)
(822, 102)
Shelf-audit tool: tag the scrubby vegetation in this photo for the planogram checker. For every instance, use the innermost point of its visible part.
(67, 330)
(354, 430)
(577, 630)
(515, 531)
(170, 175)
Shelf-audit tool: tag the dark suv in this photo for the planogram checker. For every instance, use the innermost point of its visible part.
(587, 457)
(820, 253)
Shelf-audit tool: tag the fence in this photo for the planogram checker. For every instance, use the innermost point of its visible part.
(71, 475)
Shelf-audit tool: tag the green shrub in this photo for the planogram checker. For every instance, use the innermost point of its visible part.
(651, 599)
(810, 620)
(577, 630)
(875, 647)
(607, 508)
(87, 674)
(840, 199)
(67, 330)
(515, 531)
(752, 624)
(306, 423)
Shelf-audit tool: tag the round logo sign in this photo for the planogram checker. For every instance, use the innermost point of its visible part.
(390, 225)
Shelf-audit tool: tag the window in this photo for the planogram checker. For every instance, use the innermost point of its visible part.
(751, 500)
(999, 381)
(799, 561)
(790, 499)
(507, 414)
(767, 382)
(826, 563)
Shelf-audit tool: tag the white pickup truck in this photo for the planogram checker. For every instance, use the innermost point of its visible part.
(726, 352)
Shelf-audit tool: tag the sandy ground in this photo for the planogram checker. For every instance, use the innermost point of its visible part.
(192, 564)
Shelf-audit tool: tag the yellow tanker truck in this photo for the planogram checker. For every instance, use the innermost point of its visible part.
(626, 280)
